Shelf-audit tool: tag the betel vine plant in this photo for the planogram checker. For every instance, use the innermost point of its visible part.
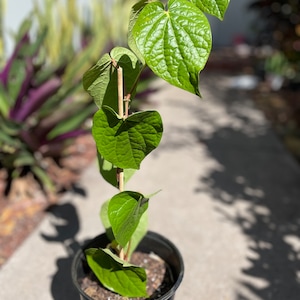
(174, 40)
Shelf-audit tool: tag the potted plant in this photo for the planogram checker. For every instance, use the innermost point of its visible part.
(174, 41)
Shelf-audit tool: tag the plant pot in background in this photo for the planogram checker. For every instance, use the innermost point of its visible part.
(151, 243)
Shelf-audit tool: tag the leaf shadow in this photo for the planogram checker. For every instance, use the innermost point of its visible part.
(254, 182)
(256, 172)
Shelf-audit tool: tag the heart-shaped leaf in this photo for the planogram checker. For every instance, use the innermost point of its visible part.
(137, 236)
(175, 41)
(124, 212)
(216, 8)
(101, 81)
(118, 276)
(125, 143)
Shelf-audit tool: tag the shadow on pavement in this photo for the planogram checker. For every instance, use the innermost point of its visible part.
(66, 225)
(258, 186)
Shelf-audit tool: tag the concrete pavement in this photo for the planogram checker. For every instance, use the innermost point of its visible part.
(230, 201)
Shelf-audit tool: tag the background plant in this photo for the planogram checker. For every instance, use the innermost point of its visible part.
(174, 41)
(43, 106)
(279, 27)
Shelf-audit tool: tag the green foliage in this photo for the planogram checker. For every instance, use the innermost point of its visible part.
(174, 41)
(126, 142)
(277, 26)
(216, 8)
(278, 64)
(35, 115)
(117, 275)
(100, 81)
(164, 38)
(125, 211)
(136, 237)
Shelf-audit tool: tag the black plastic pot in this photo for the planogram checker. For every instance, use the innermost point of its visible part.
(152, 242)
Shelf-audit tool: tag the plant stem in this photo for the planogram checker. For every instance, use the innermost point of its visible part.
(126, 256)
(127, 100)
(120, 91)
(120, 179)
(120, 172)
(124, 115)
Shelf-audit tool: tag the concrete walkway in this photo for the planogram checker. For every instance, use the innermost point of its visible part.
(230, 201)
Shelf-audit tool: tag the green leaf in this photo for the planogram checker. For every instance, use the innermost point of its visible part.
(105, 220)
(216, 8)
(30, 49)
(44, 178)
(175, 42)
(24, 158)
(17, 76)
(96, 77)
(4, 102)
(10, 127)
(137, 236)
(109, 172)
(72, 122)
(116, 275)
(8, 143)
(125, 211)
(134, 13)
(101, 81)
(125, 143)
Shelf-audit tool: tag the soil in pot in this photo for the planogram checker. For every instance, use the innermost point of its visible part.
(159, 279)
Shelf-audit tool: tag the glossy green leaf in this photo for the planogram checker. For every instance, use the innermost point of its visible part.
(125, 211)
(134, 13)
(125, 143)
(174, 41)
(137, 236)
(109, 172)
(216, 8)
(101, 80)
(118, 276)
